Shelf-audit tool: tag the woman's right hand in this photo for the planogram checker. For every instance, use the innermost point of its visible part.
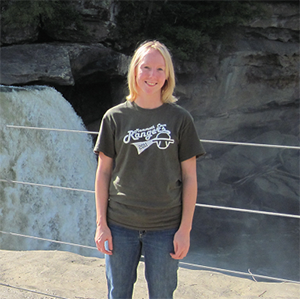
(103, 240)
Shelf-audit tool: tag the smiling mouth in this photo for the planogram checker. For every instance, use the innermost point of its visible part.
(151, 84)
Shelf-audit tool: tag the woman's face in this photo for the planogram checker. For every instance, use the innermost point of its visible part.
(150, 74)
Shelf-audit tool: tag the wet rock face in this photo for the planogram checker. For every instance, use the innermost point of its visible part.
(251, 95)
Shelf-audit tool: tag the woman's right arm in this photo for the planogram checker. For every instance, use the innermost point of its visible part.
(103, 176)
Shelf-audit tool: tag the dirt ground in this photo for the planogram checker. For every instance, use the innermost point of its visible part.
(57, 274)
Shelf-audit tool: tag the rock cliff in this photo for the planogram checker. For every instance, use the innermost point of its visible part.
(245, 92)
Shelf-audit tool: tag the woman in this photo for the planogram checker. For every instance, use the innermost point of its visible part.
(146, 182)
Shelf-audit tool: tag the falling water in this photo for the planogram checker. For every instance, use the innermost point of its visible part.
(44, 157)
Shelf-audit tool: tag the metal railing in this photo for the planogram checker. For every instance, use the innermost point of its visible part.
(3, 180)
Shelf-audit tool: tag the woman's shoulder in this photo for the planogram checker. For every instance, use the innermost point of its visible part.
(179, 110)
(120, 108)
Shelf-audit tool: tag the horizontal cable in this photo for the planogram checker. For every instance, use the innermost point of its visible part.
(202, 140)
(197, 204)
(251, 144)
(247, 211)
(48, 186)
(47, 240)
(50, 129)
(240, 273)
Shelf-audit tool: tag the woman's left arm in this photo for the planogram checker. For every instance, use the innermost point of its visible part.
(189, 197)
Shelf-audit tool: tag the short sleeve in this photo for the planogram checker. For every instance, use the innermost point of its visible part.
(189, 142)
(105, 141)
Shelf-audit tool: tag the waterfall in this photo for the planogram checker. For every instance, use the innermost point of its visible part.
(53, 158)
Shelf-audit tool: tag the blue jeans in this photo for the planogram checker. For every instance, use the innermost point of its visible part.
(160, 267)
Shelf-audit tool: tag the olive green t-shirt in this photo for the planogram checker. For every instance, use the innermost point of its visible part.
(148, 146)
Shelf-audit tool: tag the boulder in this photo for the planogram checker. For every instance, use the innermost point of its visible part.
(14, 35)
(23, 64)
(59, 64)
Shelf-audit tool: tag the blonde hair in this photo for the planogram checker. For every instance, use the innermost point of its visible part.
(168, 88)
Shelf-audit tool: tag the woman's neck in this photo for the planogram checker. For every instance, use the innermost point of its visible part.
(148, 103)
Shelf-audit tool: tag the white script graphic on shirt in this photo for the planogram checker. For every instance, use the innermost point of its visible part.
(159, 135)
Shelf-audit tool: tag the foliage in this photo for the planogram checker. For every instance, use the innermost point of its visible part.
(187, 27)
(47, 14)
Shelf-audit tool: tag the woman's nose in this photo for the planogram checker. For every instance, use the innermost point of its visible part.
(152, 73)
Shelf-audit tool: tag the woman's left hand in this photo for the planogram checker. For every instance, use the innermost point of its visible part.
(181, 244)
